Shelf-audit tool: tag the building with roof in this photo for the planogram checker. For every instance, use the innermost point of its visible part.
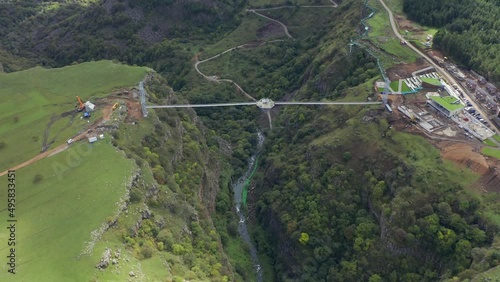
(481, 94)
(429, 82)
(448, 106)
(380, 86)
(471, 83)
(491, 88)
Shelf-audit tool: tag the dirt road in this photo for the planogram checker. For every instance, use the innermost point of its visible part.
(43, 155)
(46, 154)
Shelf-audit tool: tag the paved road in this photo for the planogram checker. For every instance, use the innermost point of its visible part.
(444, 73)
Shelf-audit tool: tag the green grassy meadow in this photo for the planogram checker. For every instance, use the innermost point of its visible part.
(491, 152)
(405, 87)
(496, 137)
(302, 22)
(244, 33)
(490, 142)
(382, 36)
(31, 98)
(411, 148)
(394, 85)
(79, 191)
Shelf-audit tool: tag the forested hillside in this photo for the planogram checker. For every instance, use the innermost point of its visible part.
(469, 30)
(349, 199)
(58, 34)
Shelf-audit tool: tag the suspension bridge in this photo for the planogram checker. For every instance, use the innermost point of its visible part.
(265, 104)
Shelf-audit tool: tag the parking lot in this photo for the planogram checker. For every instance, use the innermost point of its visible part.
(472, 126)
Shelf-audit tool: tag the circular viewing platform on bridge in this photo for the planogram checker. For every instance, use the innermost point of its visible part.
(265, 103)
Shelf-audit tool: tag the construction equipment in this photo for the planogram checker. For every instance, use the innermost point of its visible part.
(80, 106)
(114, 106)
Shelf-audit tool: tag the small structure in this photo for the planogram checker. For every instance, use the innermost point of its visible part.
(481, 79)
(438, 60)
(265, 103)
(86, 114)
(491, 88)
(481, 94)
(89, 107)
(433, 83)
(101, 136)
(380, 86)
(449, 106)
(409, 113)
(471, 83)
(388, 107)
(92, 139)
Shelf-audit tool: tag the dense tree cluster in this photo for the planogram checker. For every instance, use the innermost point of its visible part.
(354, 208)
(469, 30)
(129, 31)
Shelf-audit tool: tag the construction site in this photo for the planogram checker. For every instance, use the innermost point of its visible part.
(440, 113)
(101, 114)
(431, 104)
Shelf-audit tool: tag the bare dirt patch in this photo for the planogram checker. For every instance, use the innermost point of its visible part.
(408, 25)
(464, 156)
(134, 110)
(404, 70)
(435, 53)
(490, 182)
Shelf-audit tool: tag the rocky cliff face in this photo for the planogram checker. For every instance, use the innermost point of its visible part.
(173, 200)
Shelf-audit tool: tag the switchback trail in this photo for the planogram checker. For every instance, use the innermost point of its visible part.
(238, 188)
(285, 28)
(214, 78)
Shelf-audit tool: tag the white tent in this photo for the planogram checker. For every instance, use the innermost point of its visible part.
(89, 107)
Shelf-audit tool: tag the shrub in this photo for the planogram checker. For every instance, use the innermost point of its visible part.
(232, 229)
(37, 178)
(147, 251)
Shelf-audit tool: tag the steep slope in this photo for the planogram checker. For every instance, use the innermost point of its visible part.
(136, 204)
(348, 198)
(63, 32)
